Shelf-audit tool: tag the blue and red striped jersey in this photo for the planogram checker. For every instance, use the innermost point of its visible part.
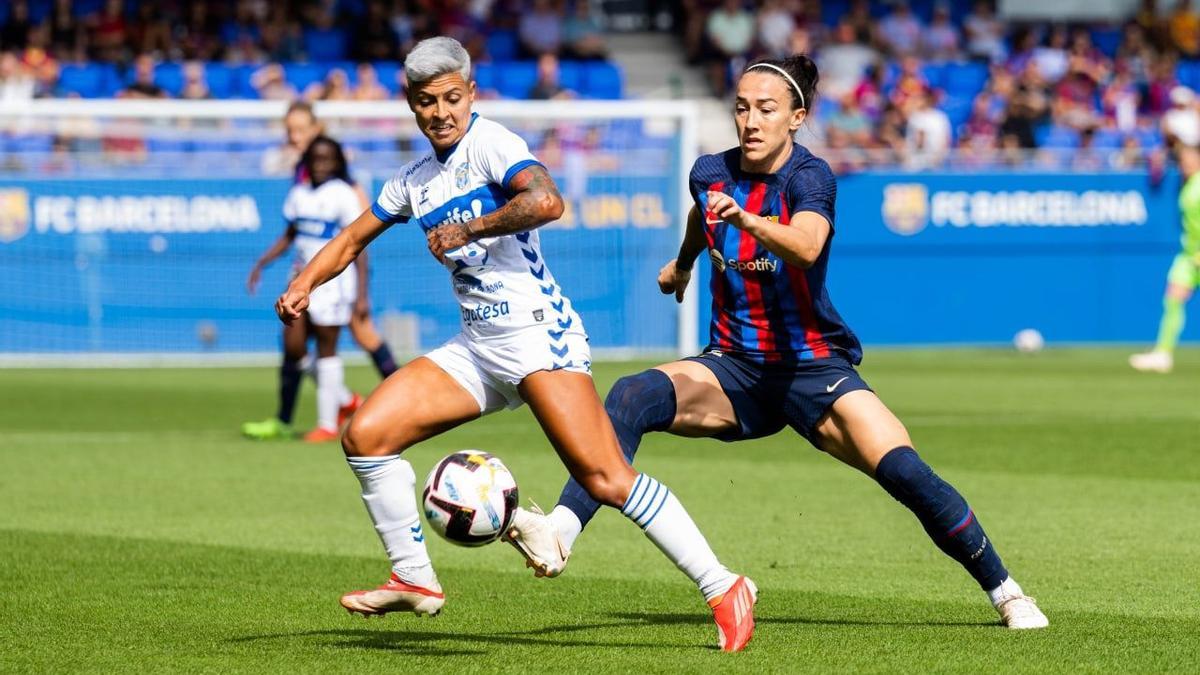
(762, 307)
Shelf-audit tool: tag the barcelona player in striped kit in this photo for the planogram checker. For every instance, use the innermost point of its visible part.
(779, 354)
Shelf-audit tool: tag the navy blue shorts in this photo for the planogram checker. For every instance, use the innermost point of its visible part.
(768, 396)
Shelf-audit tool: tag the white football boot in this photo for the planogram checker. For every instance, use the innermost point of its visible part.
(1020, 612)
(534, 535)
(1153, 362)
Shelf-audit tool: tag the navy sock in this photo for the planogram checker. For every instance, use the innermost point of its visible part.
(384, 363)
(636, 404)
(943, 512)
(290, 376)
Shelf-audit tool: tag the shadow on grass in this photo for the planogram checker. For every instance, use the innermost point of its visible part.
(664, 618)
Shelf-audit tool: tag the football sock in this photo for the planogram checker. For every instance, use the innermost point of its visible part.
(943, 512)
(388, 491)
(384, 363)
(1171, 325)
(1006, 590)
(331, 386)
(290, 376)
(666, 523)
(636, 404)
(567, 524)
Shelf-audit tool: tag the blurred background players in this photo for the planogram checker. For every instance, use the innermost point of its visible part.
(302, 127)
(317, 207)
(1184, 275)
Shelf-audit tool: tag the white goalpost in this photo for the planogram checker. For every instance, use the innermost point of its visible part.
(127, 226)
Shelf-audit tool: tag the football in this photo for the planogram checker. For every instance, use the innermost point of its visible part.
(470, 498)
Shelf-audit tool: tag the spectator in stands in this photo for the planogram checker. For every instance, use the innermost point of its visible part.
(375, 39)
(547, 86)
(940, 41)
(282, 38)
(150, 31)
(775, 26)
(143, 85)
(1075, 95)
(108, 32)
(197, 37)
(980, 129)
(540, 29)
(1028, 106)
(1181, 124)
(1183, 26)
(271, 85)
(861, 23)
(900, 31)
(368, 87)
(1051, 57)
(910, 83)
(1087, 157)
(1135, 52)
(335, 87)
(927, 134)
(16, 83)
(730, 30)
(195, 81)
(66, 33)
(46, 72)
(1131, 155)
(583, 34)
(407, 25)
(14, 34)
(851, 121)
(1120, 102)
(843, 63)
(984, 32)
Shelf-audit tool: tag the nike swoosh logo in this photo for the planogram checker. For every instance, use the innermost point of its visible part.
(829, 388)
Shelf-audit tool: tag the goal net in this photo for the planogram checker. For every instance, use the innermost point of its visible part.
(128, 228)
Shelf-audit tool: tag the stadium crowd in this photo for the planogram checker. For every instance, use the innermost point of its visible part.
(919, 83)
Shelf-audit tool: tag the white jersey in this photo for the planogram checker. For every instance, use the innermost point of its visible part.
(502, 283)
(318, 214)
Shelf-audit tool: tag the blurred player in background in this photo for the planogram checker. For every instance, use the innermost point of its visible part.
(1184, 276)
(316, 209)
(479, 198)
(302, 126)
(779, 354)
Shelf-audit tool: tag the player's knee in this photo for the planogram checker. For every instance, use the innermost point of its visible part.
(606, 487)
(367, 437)
(633, 395)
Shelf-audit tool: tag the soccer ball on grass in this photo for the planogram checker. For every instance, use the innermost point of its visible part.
(470, 498)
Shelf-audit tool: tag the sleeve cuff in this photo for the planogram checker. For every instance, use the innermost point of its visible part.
(382, 214)
(518, 168)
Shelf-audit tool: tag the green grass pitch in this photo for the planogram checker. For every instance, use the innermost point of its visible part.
(138, 532)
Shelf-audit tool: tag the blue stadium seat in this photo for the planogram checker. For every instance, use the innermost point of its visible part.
(964, 79)
(485, 76)
(1054, 136)
(515, 79)
(325, 45)
(602, 80)
(935, 74)
(957, 108)
(300, 75)
(1107, 138)
(1188, 74)
(171, 144)
(220, 79)
(87, 80)
(1107, 40)
(502, 45)
(571, 76)
(387, 72)
(32, 143)
(39, 10)
(169, 76)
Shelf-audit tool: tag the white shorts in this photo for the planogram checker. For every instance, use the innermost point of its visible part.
(491, 369)
(333, 302)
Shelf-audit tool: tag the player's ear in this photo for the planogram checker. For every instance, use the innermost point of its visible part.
(798, 117)
(471, 89)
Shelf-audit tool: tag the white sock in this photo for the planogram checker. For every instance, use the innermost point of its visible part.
(1007, 589)
(331, 382)
(567, 524)
(388, 491)
(345, 396)
(652, 506)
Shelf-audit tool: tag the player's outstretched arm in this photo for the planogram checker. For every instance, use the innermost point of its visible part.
(675, 275)
(329, 262)
(534, 203)
(276, 249)
(799, 243)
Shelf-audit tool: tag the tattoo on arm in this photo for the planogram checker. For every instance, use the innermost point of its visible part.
(535, 202)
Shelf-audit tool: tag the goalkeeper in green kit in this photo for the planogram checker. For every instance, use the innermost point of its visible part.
(1184, 276)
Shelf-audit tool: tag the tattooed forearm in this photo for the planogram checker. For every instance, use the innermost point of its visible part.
(535, 202)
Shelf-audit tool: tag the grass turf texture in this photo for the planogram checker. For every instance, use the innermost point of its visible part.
(138, 532)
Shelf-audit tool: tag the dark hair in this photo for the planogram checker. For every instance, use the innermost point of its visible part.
(343, 168)
(802, 69)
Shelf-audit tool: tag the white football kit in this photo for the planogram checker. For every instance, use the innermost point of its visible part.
(318, 214)
(515, 319)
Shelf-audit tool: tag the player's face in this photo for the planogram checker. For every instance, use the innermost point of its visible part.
(443, 108)
(322, 163)
(764, 116)
(301, 129)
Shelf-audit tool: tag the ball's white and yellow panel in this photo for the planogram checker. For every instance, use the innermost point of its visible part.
(470, 498)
